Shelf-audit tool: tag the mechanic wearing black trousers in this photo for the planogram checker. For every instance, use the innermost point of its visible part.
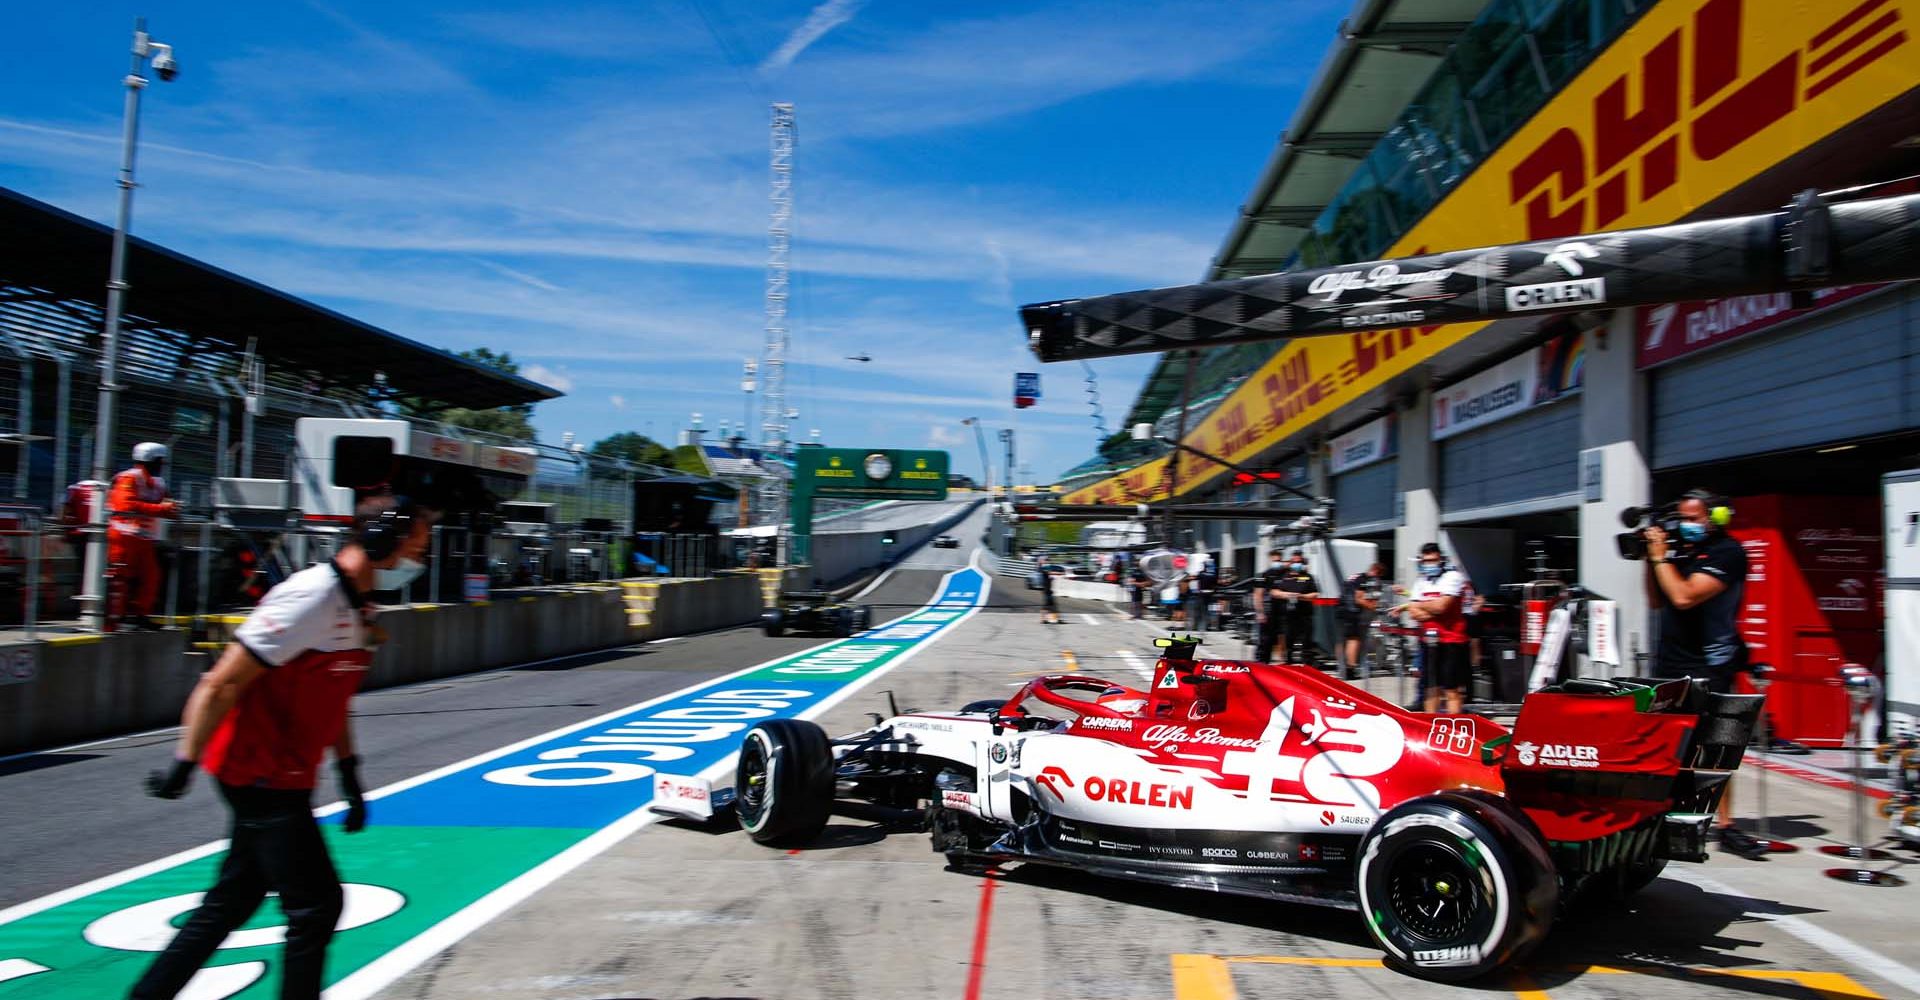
(1697, 582)
(1283, 604)
(260, 721)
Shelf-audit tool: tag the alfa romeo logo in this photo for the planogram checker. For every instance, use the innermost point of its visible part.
(999, 753)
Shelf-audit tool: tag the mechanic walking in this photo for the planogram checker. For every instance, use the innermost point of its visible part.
(135, 506)
(1697, 582)
(1051, 614)
(260, 722)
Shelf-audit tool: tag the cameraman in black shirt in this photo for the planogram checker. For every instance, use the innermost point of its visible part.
(1697, 582)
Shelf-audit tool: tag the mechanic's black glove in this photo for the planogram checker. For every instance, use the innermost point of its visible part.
(349, 770)
(171, 783)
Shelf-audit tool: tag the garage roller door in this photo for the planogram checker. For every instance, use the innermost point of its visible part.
(1836, 376)
(1365, 496)
(1533, 456)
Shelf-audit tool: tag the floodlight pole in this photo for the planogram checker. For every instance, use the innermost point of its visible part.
(93, 601)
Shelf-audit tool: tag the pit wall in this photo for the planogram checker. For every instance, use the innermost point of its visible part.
(840, 556)
(89, 687)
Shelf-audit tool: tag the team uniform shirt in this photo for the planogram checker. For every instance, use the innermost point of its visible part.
(311, 631)
(1295, 583)
(1450, 627)
(1707, 636)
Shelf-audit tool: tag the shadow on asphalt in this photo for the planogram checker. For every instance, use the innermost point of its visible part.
(40, 762)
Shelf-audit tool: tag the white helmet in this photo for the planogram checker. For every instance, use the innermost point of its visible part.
(149, 451)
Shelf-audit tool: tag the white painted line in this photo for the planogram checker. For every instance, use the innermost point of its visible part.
(1089, 619)
(47, 902)
(1861, 956)
(877, 581)
(1135, 661)
(383, 971)
(671, 638)
(51, 900)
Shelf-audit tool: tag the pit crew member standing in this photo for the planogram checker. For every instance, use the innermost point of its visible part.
(260, 722)
(136, 505)
(1436, 604)
(1359, 599)
(1298, 589)
(1698, 582)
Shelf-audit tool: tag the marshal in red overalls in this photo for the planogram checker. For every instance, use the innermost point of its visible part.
(136, 504)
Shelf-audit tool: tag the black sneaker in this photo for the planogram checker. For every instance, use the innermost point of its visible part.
(1734, 841)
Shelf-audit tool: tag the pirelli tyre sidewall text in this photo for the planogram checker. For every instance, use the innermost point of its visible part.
(783, 782)
(1456, 885)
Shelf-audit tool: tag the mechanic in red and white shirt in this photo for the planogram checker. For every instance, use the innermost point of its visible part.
(260, 722)
(1437, 605)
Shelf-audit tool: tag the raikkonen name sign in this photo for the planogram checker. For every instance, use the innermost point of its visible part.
(1695, 99)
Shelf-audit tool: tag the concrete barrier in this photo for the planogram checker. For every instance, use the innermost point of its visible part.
(1090, 590)
(87, 687)
(839, 555)
(83, 687)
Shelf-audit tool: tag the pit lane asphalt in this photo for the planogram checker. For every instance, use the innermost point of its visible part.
(868, 911)
(72, 816)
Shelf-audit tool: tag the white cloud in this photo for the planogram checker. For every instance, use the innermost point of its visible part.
(548, 377)
(618, 401)
(822, 19)
(945, 436)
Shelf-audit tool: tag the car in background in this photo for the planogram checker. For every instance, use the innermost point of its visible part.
(816, 612)
(946, 542)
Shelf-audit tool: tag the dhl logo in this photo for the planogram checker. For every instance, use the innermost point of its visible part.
(1699, 84)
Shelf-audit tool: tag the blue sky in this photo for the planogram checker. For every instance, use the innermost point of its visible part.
(585, 185)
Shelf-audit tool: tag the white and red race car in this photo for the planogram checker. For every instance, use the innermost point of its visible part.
(1456, 836)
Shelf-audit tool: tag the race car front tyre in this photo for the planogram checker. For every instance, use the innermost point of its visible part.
(863, 618)
(783, 784)
(1456, 885)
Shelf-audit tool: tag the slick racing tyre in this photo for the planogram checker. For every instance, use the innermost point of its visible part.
(862, 618)
(1456, 885)
(783, 785)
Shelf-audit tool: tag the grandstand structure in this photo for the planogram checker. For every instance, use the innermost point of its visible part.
(218, 367)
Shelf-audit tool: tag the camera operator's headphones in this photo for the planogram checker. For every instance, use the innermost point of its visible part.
(1718, 510)
(382, 535)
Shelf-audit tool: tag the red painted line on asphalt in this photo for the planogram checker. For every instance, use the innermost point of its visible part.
(793, 850)
(977, 965)
(1818, 777)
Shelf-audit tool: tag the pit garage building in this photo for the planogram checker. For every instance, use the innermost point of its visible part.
(1447, 124)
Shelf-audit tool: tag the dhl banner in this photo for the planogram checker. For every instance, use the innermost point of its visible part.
(1694, 100)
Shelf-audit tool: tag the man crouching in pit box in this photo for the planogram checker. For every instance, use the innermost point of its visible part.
(261, 720)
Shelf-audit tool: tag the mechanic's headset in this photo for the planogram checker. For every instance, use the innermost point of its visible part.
(1718, 510)
(382, 535)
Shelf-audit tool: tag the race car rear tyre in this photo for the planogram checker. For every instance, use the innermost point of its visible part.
(783, 784)
(1456, 885)
(863, 618)
(775, 629)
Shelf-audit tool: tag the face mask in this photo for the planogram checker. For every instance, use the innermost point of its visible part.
(1430, 571)
(1692, 532)
(399, 576)
(1299, 565)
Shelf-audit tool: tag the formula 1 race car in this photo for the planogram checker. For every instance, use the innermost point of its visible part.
(816, 612)
(946, 542)
(1459, 838)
